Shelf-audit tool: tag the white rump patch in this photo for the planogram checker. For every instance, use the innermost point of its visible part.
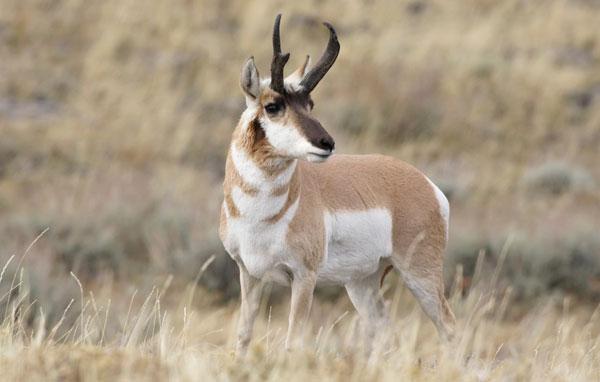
(356, 241)
(442, 203)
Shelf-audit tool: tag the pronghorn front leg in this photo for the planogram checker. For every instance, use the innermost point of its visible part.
(303, 287)
(250, 294)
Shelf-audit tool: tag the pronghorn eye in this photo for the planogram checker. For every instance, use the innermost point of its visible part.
(273, 108)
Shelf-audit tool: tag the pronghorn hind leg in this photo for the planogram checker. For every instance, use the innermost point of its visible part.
(423, 275)
(371, 308)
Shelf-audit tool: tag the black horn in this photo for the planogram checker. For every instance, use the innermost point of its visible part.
(312, 78)
(279, 60)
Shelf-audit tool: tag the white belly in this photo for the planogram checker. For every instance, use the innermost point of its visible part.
(356, 241)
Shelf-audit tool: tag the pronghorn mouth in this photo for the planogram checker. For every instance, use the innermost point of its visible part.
(316, 157)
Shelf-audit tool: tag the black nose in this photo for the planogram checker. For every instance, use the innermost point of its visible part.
(326, 143)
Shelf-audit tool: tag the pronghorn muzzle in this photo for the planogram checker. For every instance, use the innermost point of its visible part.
(317, 135)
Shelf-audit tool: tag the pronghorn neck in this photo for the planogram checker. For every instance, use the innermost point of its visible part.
(258, 185)
(261, 174)
(254, 161)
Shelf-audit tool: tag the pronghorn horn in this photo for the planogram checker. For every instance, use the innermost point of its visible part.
(279, 59)
(315, 75)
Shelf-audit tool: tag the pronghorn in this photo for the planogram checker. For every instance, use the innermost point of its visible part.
(293, 216)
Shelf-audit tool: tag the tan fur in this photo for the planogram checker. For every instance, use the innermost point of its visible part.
(268, 95)
(223, 224)
(281, 190)
(231, 207)
(293, 191)
(360, 182)
(256, 146)
(254, 143)
(315, 192)
(234, 179)
(348, 182)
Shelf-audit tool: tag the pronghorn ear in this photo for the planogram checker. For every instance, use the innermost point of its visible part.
(298, 74)
(250, 80)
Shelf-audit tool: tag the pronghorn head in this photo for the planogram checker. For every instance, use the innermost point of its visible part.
(279, 110)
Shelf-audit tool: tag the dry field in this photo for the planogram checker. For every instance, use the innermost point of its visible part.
(185, 336)
(115, 118)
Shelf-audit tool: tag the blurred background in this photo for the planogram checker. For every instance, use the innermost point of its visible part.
(116, 115)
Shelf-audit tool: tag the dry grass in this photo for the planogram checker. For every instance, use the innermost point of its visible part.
(115, 116)
(181, 335)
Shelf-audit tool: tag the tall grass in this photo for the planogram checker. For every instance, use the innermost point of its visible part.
(116, 117)
(175, 335)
